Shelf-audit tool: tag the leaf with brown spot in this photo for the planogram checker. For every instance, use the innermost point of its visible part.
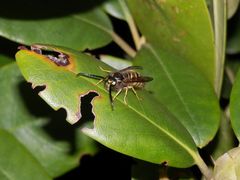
(144, 128)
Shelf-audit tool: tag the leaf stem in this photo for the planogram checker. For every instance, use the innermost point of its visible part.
(219, 15)
(230, 74)
(116, 38)
(133, 28)
(122, 44)
(203, 167)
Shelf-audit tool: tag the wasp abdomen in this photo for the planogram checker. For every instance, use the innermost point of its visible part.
(133, 78)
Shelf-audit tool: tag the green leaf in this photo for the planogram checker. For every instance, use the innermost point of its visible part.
(164, 25)
(81, 28)
(16, 162)
(228, 166)
(177, 83)
(113, 8)
(35, 131)
(144, 129)
(234, 106)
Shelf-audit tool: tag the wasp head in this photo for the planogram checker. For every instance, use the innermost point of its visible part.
(113, 79)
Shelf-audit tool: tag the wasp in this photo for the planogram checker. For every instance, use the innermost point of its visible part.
(124, 79)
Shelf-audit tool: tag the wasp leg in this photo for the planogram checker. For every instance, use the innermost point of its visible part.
(134, 91)
(117, 94)
(125, 96)
(104, 70)
(99, 82)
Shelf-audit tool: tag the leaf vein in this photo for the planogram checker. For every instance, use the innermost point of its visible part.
(177, 91)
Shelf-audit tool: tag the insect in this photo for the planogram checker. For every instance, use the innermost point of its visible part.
(124, 79)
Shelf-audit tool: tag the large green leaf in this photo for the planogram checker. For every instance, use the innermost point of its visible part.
(80, 26)
(234, 106)
(144, 128)
(178, 27)
(31, 131)
(16, 162)
(172, 46)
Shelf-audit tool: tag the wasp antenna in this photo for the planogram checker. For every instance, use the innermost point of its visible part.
(93, 76)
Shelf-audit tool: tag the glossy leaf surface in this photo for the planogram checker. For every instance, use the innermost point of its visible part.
(15, 160)
(177, 82)
(113, 8)
(36, 142)
(80, 26)
(164, 25)
(144, 128)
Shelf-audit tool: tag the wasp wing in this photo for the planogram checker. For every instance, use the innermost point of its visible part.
(139, 79)
(129, 68)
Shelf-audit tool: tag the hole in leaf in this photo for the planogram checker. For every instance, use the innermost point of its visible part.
(59, 58)
(87, 108)
(164, 163)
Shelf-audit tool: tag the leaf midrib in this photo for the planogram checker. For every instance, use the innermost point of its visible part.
(179, 95)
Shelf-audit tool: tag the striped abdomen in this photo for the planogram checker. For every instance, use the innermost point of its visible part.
(133, 79)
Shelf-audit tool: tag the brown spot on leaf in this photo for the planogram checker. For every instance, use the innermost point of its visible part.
(54, 55)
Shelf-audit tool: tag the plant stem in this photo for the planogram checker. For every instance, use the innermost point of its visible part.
(116, 38)
(122, 44)
(203, 167)
(230, 74)
(133, 28)
(219, 15)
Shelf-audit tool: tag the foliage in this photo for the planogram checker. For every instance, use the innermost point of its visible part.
(181, 45)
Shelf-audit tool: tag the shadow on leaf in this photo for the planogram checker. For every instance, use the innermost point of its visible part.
(57, 127)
